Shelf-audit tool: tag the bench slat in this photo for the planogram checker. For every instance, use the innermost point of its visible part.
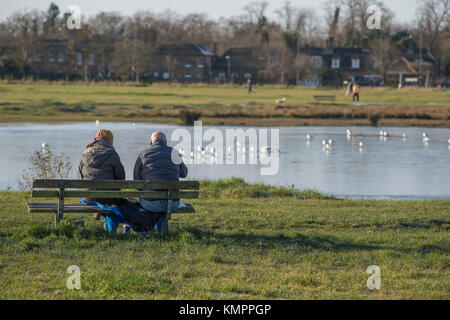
(114, 184)
(115, 194)
(79, 208)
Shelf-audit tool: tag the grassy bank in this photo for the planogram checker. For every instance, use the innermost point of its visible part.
(245, 242)
(222, 105)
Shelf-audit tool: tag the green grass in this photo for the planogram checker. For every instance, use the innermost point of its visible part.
(78, 102)
(265, 244)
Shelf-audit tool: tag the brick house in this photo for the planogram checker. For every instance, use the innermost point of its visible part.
(186, 63)
(57, 59)
(336, 64)
(239, 64)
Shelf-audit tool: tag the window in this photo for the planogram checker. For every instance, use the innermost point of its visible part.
(188, 64)
(156, 74)
(51, 57)
(335, 63)
(355, 63)
(60, 57)
(247, 75)
(91, 59)
(166, 75)
(200, 63)
(222, 75)
(377, 64)
(79, 59)
(187, 76)
(317, 60)
(273, 59)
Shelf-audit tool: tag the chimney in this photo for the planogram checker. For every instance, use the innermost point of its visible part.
(410, 44)
(331, 43)
(365, 43)
(215, 47)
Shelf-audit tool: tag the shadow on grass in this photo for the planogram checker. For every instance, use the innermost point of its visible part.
(320, 243)
(190, 235)
(325, 243)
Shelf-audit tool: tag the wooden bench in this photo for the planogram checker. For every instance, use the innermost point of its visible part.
(65, 189)
(325, 98)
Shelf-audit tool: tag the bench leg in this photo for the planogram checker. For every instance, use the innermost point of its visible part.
(164, 225)
(59, 213)
(167, 216)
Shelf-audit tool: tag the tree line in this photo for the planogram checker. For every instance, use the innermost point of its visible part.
(123, 42)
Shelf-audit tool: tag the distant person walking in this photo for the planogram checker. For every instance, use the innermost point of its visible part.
(250, 86)
(355, 91)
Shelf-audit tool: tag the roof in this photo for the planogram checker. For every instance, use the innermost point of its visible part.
(240, 57)
(312, 50)
(349, 51)
(186, 49)
(400, 66)
(415, 55)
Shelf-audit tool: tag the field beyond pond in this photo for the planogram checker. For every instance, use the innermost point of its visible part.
(244, 242)
(223, 105)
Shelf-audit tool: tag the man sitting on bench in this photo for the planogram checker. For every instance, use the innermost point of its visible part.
(159, 163)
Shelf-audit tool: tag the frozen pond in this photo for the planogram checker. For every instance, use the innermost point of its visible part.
(391, 168)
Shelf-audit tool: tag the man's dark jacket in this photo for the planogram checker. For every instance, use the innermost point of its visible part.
(100, 161)
(155, 165)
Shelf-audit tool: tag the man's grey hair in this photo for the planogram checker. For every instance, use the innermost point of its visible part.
(159, 136)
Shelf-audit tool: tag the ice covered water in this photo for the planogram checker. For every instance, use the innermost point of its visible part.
(382, 167)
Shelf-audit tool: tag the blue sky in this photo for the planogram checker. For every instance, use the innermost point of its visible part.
(404, 9)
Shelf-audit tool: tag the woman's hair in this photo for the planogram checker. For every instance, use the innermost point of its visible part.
(106, 135)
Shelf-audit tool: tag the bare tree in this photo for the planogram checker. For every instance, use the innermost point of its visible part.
(257, 12)
(333, 10)
(106, 31)
(435, 17)
(383, 54)
(257, 15)
(287, 15)
(23, 26)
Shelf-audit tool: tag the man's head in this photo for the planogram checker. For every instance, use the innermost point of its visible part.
(158, 136)
(105, 135)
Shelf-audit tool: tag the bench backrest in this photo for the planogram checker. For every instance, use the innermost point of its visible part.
(115, 189)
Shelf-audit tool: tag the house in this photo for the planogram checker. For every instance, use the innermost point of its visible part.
(238, 64)
(56, 59)
(411, 66)
(186, 63)
(332, 65)
(310, 66)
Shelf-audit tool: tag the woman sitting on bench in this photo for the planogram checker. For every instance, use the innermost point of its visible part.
(100, 161)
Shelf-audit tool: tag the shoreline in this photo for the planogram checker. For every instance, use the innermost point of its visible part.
(242, 122)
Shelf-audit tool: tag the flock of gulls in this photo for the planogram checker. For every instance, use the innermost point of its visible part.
(211, 151)
(328, 144)
(267, 150)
